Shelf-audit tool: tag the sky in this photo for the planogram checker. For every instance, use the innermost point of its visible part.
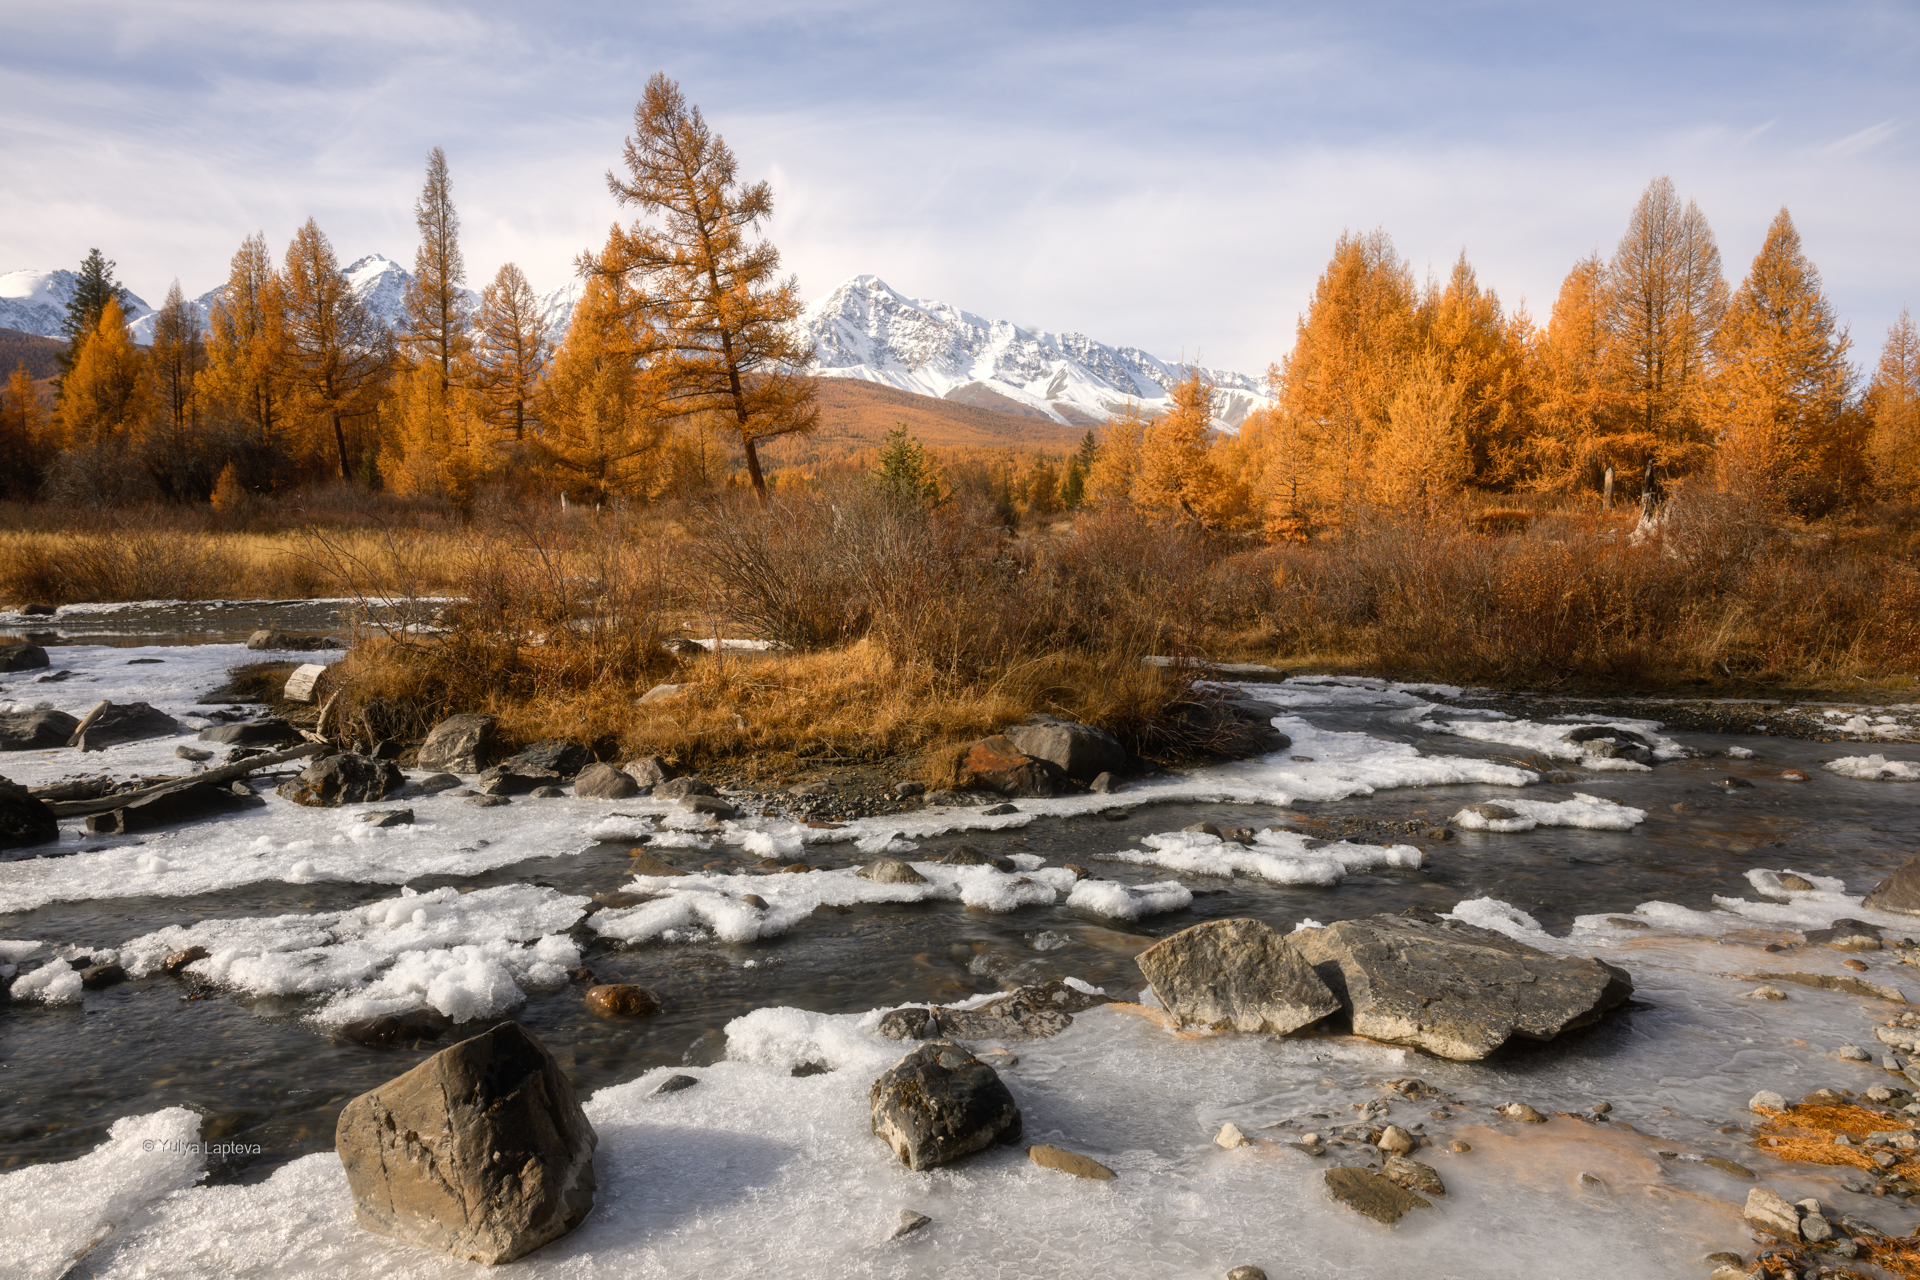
(1171, 177)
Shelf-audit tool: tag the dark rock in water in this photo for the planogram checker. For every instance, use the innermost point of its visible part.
(181, 804)
(1027, 1014)
(481, 1151)
(1082, 751)
(484, 802)
(513, 780)
(1847, 935)
(995, 810)
(343, 779)
(548, 793)
(604, 782)
(890, 871)
(1456, 990)
(555, 755)
(965, 855)
(22, 657)
(707, 806)
(1492, 812)
(1414, 1176)
(1899, 892)
(458, 744)
(260, 733)
(1048, 1156)
(179, 960)
(642, 863)
(1559, 777)
(647, 771)
(38, 610)
(997, 764)
(674, 1084)
(940, 1103)
(434, 783)
(1732, 784)
(58, 677)
(1788, 880)
(388, 817)
(287, 641)
(36, 730)
(1236, 973)
(681, 788)
(1369, 1193)
(124, 722)
(391, 1029)
(194, 754)
(621, 1000)
(96, 977)
(1605, 733)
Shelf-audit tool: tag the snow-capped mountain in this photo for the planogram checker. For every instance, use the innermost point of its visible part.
(36, 302)
(865, 329)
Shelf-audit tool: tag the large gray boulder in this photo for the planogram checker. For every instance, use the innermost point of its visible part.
(1456, 990)
(272, 732)
(24, 817)
(1899, 892)
(481, 1151)
(458, 744)
(189, 803)
(119, 722)
(22, 657)
(604, 782)
(36, 730)
(681, 788)
(1082, 751)
(343, 779)
(554, 755)
(647, 771)
(996, 764)
(940, 1103)
(1238, 974)
(513, 779)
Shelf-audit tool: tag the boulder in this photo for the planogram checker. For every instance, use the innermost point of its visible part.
(24, 818)
(1031, 1013)
(621, 1000)
(1846, 935)
(458, 744)
(709, 806)
(273, 732)
(965, 855)
(940, 1103)
(111, 724)
(36, 730)
(22, 657)
(1239, 974)
(303, 683)
(1414, 1176)
(681, 788)
(1769, 1211)
(389, 1030)
(1082, 751)
(996, 764)
(648, 771)
(1231, 727)
(1899, 892)
(434, 783)
(343, 779)
(179, 804)
(890, 871)
(1456, 990)
(513, 779)
(604, 782)
(555, 755)
(1369, 1193)
(481, 1151)
(286, 641)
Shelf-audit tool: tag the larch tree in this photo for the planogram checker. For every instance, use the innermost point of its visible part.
(510, 353)
(176, 447)
(1666, 297)
(246, 343)
(1782, 384)
(107, 397)
(1893, 408)
(436, 338)
(601, 436)
(1483, 353)
(721, 345)
(1116, 459)
(26, 443)
(1577, 408)
(1177, 478)
(93, 287)
(1425, 457)
(337, 354)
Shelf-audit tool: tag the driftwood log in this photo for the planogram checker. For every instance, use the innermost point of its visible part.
(225, 773)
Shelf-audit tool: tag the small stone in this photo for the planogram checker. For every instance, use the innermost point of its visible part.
(1815, 1229)
(1246, 1273)
(191, 753)
(1766, 1100)
(487, 802)
(1765, 993)
(995, 810)
(1231, 1137)
(642, 863)
(890, 871)
(1729, 1273)
(1203, 829)
(674, 1084)
(621, 1000)
(1395, 1140)
(940, 1103)
(1051, 1157)
(906, 791)
(797, 869)
(1593, 1182)
(1732, 784)
(1767, 1211)
(181, 959)
(1852, 1053)
(548, 793)
(707, 806)
(1369, 1193)
(754, 900)
(1458, 1147)
(1788, 880)
(909, 1223)
(1793, 775)
(1522, 1112)
(604, 782)
(1858, 966)
(434, 783)
(1602, 1108)
(1414, 1176)
(97, 976)
(1104, 784)
(388, 817)
(1729, 1167)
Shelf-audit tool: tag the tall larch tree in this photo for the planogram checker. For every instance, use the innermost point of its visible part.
(177, 449)
(601, 436)
(1177, 478)
(1425, 456)
(434, 435)
(337, 354)
(1577, 407)
(106, 399)
(26, 436)
(93, 287)
(1116, 459)
(1666, 297)
(1350, 348)
(1893, 408)
(722, 348)
(247, 356)
(1782, 386)
(1483, 353)
(510, 353)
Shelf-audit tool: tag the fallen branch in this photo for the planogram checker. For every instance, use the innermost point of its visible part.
(225, 773)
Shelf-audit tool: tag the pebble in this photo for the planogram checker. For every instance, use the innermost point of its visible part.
(1522, 1112)
(1397, 1141)
(994, 811)
(621, 1000)
(674, 1084)
(1593, 1182)
(1231, 1137)
(1458, 1147)
(909, 1220)
(1858, 966)
(192, 753)
(181, 959)
(1602, 1108)
(1246, 1273)
(1793, 775)
(487, 802)
(548, 793)
(1052, 1157)
(1852, 1053)
(754, 900)
(1788, 880)
(1766, 1100)
(1765, 993)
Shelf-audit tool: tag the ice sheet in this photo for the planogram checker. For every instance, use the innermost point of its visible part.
(1874, 768)
(1593, 813)
(1549, 739)
(1282, 857)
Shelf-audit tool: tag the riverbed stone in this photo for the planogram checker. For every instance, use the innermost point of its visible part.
(1767, 1210)
(890, 871)
(23, 656)
(481, 1152)
(1413, 1175)
(120, 722)
(621, 1000)
(966, 855)
(1240, 974)
(41, 730)
(997, 764)
(272, 732)
(553, 755)
(458, 744)
(910, 1221)
(343, 779)
(287, 641)
(513, 779)
(1048, 1156)
(1082, 751)
(1454, 989)
(683, 787)
(1899, 892)
(648, 771)
(604, 782)
(1030, 1013)
(1370, 1193)
(940, 1103)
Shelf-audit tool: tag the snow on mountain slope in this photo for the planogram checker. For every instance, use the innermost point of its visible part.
(36, 302)
(866, 329)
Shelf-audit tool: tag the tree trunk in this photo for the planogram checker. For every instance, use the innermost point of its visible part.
(753, 469)
(340, 439)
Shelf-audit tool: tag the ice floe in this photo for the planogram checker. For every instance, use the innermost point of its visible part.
(1281, 857)
(1874, 768)
(1593, 813)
